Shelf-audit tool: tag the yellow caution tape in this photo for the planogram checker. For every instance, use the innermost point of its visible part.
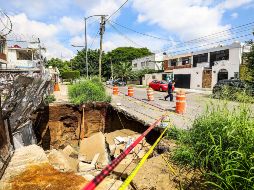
(169, 166)
(142, 161)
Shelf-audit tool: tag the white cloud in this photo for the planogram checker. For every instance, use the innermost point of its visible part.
(73, 26)
(99, 6)
(186, 18)
(47, 33)
(234, 15)
(232, 4)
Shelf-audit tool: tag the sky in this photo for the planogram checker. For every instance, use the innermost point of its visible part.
(60, 23)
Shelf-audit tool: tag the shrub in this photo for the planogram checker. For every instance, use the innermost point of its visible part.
(49, 99)
(221, 144)
(88, 91)
(71, 75)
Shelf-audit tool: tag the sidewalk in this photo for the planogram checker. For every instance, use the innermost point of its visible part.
(62, 95)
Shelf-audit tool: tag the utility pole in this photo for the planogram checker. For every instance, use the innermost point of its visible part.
(111, 66)
(102, 30)
(86, 49)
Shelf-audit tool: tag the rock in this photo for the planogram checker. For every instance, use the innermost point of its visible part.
(108, 182)
(22, 159)
(93, 145)
(88, 177)
(84, 167)
(95, 158)
(68, 150)
(62, 162)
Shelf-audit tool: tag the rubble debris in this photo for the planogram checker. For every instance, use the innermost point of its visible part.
(95, 158)
(22, 159)
(60, 161)
(93, 145)
(68, 150)
(84, 167)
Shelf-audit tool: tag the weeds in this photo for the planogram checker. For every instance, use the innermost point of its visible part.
(220, 144)
(49, 99)
(88, 91)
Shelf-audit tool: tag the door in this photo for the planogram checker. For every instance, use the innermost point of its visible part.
(182, 80)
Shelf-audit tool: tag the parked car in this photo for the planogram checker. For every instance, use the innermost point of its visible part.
(234, 85)
(159, 85)
(109, 82)
(119, 82)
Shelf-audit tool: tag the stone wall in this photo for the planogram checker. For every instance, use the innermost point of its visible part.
(59, 125)
(6, 148)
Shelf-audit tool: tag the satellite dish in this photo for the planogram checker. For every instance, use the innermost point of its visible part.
(5, 24)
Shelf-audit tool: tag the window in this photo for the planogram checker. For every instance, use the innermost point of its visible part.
(143, 64)
(173, 62)
(24, 55)
(200, 59)
(135, 65)
(185, 60)
(218, 56)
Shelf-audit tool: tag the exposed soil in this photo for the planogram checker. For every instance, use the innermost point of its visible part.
(45, 177)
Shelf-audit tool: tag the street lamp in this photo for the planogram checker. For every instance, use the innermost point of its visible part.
(86, 40)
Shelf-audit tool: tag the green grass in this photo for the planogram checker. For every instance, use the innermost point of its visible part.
(88, 90)
(221, 143)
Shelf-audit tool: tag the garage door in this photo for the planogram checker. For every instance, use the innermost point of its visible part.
(182, 81)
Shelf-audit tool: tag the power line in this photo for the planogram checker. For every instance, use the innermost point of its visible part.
(95, 36)
(117, 10)
(204, 45)
(207, 39)
(148, 35)
(127, 38)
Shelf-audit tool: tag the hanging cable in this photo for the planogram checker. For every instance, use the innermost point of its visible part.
(127, 38)
(117, 10)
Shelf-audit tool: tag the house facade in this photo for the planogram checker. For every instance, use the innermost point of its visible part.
(22, 58)
(3, 52)
(203, 69)
(154, 61)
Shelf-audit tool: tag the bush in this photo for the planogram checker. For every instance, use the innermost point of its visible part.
(71, 75)
(49, 99)
(221, 144)
(235, 94)
(88, 91)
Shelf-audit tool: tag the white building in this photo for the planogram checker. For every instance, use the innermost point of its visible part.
(153, 61)
(22, 58)
(203, 69)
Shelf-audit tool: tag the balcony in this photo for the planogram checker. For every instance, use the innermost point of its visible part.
(179, 67)
(3, 56)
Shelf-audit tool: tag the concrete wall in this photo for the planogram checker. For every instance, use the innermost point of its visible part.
(13, 62)
(150, 77)
(196, 76)
(150, 62)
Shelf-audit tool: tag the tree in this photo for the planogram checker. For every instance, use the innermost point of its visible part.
(79, 62)
(123, 70)
(249, 60)
(60, 64)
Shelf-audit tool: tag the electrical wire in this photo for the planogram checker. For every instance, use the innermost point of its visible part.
(117, 10)
(127, 38)
(148, 35)
(238, 37)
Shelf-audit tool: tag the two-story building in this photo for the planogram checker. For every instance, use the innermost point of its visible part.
(203, 69)
(3, 52)
(154, 61)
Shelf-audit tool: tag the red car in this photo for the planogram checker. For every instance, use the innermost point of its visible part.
(159, 85)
